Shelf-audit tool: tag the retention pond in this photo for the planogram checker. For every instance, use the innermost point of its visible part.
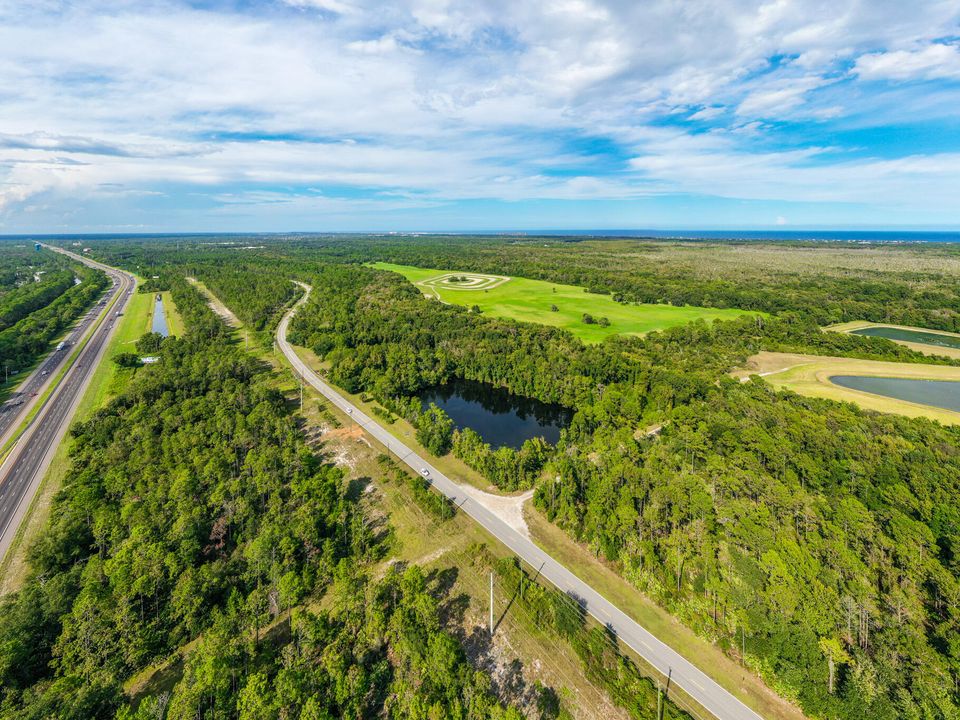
(498, 416)
(936, 393)
(914, 336)
(159, 318)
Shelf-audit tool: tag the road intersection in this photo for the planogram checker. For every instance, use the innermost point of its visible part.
(719, 702)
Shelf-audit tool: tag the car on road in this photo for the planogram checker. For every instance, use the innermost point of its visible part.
(424, 472)
(349, 411)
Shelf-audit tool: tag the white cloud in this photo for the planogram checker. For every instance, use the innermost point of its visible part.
(335, 6)
(936, 60)
(714, 166)
(708, 113)
(780, 99)
(452, 99)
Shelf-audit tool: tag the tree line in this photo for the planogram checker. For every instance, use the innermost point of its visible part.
(816, 542)
(194, 510)
(22, 343)
(813, 541)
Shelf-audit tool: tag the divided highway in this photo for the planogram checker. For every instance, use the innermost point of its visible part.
(715, 699)
(24, 468)
(13, 412)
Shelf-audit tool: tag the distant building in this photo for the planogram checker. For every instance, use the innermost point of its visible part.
(150, 359)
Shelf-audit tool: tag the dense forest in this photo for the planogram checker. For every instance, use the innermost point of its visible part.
(19, 303)
(816, 541)
(815, 538)
(196, 516)
(194, 508)
(857, 285)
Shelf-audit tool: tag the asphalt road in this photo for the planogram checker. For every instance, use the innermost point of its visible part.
(18, 406)
(713, 698)
(24, 468)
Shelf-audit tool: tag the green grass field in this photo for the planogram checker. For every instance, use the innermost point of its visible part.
(530, 301)
(174, 321)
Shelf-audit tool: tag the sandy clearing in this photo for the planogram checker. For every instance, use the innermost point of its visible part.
(218, 307)
(810, 375)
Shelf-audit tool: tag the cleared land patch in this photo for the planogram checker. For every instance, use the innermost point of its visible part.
(554, 304)
(810, 375)
(925, 348)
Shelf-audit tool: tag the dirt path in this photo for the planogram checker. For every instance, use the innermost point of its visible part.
(508, 508)
(218, 307)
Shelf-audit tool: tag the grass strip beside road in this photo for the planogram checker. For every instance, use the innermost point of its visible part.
(108, 380)
(174, 321)
(52, 385)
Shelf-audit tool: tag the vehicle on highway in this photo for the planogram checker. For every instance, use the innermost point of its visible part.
(424, 472)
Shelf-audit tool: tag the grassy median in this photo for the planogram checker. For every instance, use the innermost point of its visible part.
(108, 380)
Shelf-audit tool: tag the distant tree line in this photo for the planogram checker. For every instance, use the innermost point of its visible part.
(813, 541)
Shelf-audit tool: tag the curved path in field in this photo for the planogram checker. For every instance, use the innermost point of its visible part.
(695, 683)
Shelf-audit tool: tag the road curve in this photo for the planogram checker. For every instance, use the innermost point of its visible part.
(25, 466)
(713, 698)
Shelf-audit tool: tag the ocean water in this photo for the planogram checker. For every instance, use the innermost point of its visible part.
(864, 236)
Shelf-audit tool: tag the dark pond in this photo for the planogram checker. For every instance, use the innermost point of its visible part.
(500, 417)
(938, 393)
(916, 336)
(159, 318)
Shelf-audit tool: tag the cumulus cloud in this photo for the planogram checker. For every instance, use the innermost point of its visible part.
(446, 100)
(936, 60)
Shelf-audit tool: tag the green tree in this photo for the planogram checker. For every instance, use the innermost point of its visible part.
(435, 430)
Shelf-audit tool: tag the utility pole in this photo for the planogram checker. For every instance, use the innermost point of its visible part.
(301, 393)
(491, 603)
(659, 701)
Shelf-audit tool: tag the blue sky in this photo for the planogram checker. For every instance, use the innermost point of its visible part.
(478, 115)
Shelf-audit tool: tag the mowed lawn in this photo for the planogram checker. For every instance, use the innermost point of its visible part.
(530, 301)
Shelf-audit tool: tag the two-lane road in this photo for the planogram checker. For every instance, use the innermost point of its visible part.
(694, 682)
(24, 468)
